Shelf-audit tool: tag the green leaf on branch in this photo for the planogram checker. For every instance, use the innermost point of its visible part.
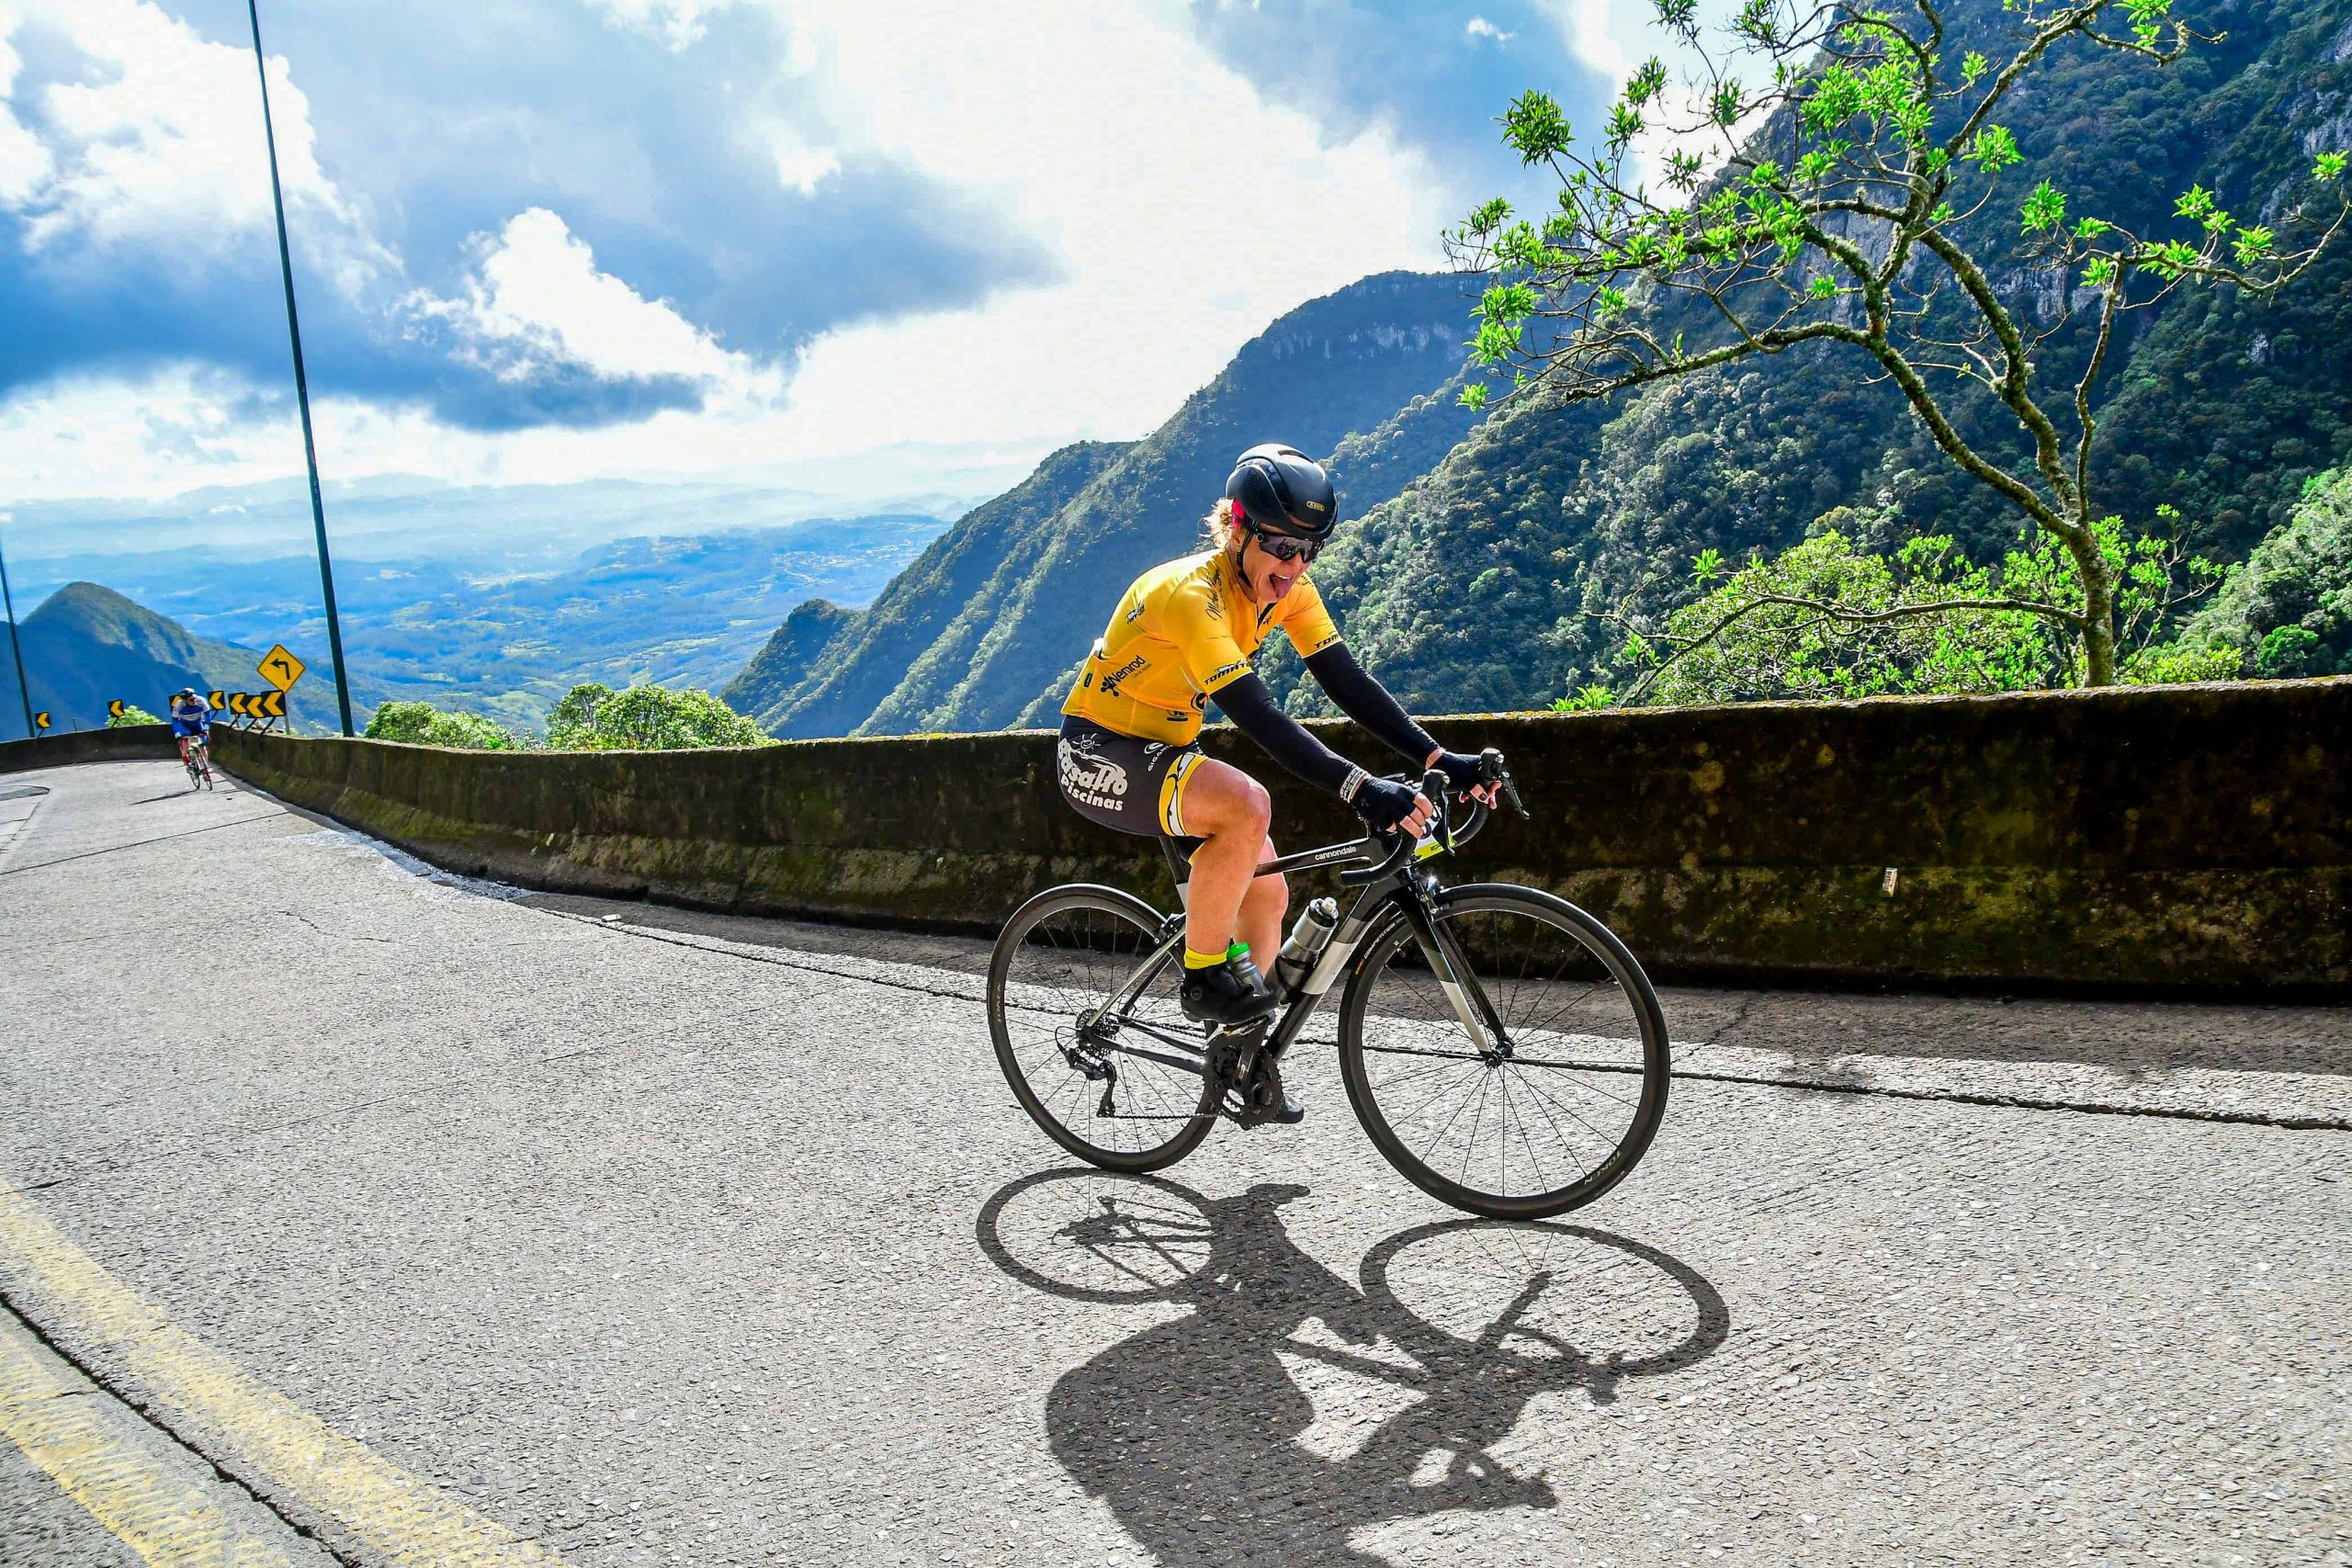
(1625, 124)
(1535, 127)
(2253, 244)
(2091, 229)
(2173, 259)
(2045, 208)
(1972, 68)
(1995, 148)
(1474, 397)
(2329, 167)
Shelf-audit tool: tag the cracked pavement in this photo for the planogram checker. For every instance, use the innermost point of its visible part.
(677, 1239)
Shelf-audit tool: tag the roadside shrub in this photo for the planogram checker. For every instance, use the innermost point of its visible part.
(593, 718)
(422, 724)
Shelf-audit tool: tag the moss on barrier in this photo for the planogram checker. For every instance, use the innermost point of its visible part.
(2174, 836)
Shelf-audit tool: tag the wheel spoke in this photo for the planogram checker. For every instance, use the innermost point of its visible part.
(1585, 1078)
(1067, 956)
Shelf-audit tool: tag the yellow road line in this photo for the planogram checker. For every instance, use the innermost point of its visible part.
(170, 1523)
(268, 1439)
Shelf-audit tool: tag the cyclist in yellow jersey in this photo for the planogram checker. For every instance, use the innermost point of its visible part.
(1182, 634)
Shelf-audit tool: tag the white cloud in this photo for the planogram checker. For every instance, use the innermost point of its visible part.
(676, 23)
(25, 164)
(799, 165)
(1616, 36)
(534, 302)
(1479, 27)
(162, 153)
(1186, 211)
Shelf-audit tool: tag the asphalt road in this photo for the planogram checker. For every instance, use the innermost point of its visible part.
(398, 1219)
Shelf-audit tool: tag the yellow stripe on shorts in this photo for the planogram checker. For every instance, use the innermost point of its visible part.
(1171, 794)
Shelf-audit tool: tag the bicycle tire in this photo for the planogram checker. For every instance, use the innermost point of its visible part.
(1020, 1002)
(1646, 1052)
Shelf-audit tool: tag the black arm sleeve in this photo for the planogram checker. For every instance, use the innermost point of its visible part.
(1367, 702)
(1250, 706)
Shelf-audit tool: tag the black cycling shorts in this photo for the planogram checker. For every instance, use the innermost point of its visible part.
(1136, 786)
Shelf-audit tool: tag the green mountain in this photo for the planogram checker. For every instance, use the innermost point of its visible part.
(1476, 588)
(986, 627)
(1480, 558)
(828, 670)
(85, 646)
(2288, 607)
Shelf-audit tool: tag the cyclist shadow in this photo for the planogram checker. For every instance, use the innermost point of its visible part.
(1201, 1439)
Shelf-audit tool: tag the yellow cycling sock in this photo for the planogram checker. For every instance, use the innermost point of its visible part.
(1202, 960)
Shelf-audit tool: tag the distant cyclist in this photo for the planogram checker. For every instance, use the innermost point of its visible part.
(191, 720)
(1130, 757)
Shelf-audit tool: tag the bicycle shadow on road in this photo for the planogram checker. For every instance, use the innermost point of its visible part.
(1290, 1410)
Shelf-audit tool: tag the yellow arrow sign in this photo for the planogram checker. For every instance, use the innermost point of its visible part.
(114, 708)
(268, 705)
(237, 701)
(218, 702)
(40, 720)
(280, 668)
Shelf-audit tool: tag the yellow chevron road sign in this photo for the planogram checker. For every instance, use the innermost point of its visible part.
(266, 704)
(114, 708)
(218, 701)
(40, 720)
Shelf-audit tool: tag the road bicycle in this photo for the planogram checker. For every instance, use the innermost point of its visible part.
(198, 755)
(1501, 1046)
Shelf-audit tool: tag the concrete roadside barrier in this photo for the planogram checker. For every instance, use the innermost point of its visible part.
(2163, 838)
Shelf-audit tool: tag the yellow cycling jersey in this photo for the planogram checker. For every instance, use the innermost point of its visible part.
(1181, 631)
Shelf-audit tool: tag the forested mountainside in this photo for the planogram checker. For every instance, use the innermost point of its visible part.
(985, 627)
(1472, 584)
(85, 645)
(828, 670)
(1470, 589)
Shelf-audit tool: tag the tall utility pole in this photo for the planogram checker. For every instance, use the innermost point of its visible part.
(301, 384)
(24, 693)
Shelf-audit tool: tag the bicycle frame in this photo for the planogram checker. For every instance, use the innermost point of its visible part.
(1390, 879)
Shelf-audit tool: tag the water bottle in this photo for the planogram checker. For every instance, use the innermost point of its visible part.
(1305, 944)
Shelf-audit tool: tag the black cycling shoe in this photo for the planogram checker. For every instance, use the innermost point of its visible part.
(1228, 993)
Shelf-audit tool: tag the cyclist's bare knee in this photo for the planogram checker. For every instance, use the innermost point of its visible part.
(1220, 798)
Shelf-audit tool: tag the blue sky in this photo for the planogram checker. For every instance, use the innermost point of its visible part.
(549, 239)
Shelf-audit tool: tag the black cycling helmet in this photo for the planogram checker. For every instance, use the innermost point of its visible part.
(1280, 490)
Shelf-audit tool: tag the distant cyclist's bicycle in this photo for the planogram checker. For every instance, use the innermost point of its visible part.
(199, 758)
(1501, 1046)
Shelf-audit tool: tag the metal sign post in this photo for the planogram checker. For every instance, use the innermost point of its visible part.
(24, 693)
(301, 384)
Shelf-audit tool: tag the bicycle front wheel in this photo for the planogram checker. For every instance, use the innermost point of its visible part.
(1116, 1082)
(1558, 1106)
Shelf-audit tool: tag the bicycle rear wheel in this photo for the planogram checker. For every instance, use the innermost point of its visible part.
(1560, 1109)
(1071, 1057)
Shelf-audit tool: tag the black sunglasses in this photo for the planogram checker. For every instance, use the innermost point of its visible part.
(1283, 548)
